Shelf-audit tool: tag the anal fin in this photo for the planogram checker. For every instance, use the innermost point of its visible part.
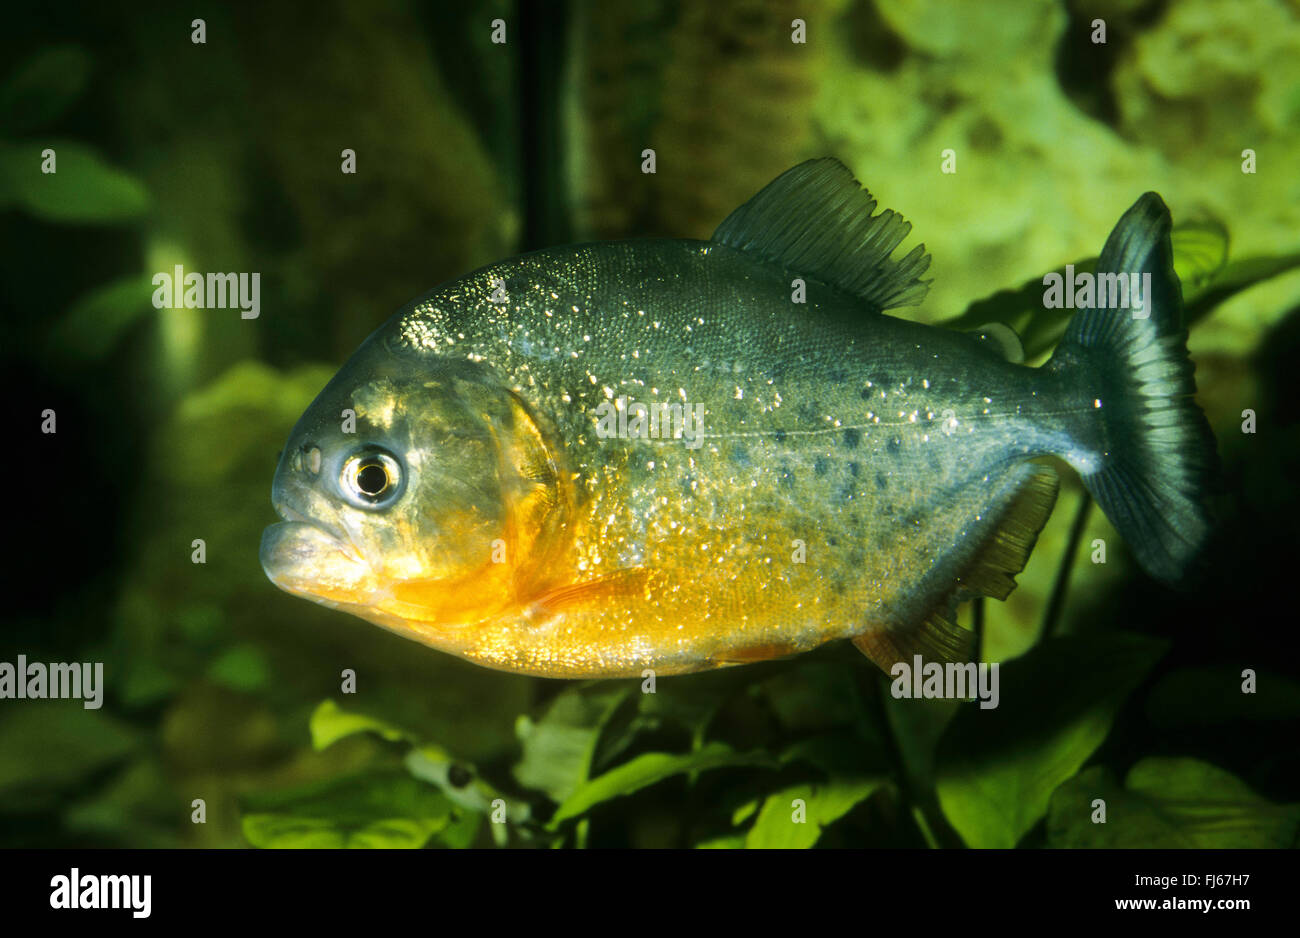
(938, 638)
(1006, 551)
(985, 566)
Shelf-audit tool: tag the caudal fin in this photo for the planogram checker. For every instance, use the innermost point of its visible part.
(1155, 455)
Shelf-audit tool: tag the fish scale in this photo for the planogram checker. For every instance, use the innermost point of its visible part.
(722, 530)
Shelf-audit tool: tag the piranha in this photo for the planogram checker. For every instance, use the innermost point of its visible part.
(598, 459)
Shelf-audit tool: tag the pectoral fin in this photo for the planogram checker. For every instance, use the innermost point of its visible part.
(603, 589)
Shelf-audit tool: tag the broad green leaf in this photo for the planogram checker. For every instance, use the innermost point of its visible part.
(558, 749)
(838, 754)
(50, 745)
(461, 783)
(818, 695)
(744, 812)
(918, 725)
(84, 189)
(137, 807)
(822, 805)
(461, 831)
(146, 682)
(725, 842)
(647, 769)
(1212, 696)
(996, 769)
(330, 723)
(1235, 277)
(242, 667)
(622, 731)
(42, 88)
(382, 810)
(687, 703)
(92, 326)
(1200, 251)
(1169, 803)
(1022, 309)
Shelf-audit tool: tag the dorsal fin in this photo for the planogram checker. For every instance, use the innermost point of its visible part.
(816, 220)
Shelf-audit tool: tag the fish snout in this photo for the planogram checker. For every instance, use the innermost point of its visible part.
(306, 559)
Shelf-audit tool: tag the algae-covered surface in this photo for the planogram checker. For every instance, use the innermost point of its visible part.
(1012, 134)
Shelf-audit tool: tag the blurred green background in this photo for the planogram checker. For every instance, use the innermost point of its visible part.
(225, 156)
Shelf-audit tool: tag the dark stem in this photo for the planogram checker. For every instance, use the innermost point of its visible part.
(541, 34)
(1052, 618)
(934, 826)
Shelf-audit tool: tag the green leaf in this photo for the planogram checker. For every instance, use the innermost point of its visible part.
(647, 769)
(42, 88)
(383, 810)
(996, 769)
(243, 667)
(1022, 309)
(84, 189)
(817, 695)
(558, 749)
(918, 726)
(744, 812)
(1234, 278)
(50, 745)
(1200, 251)
(687, 703)
(137, 808)
(462, 831)
(330, 723)
(146, 682)
(92, 326)
(823, 804)
(725, 842)
(1213, 696)
(837, 754)
(461, 783)
(1169, 803)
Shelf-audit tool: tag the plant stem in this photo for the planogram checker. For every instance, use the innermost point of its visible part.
(1051, 619)
(919, 793)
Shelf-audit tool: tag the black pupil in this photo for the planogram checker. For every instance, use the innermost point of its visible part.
(458, 776)
(372, 479)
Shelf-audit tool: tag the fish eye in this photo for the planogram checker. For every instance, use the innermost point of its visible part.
(371, 478)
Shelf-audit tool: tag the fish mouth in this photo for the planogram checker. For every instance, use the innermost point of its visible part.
(300, 551)
(294, 516)
(346, 544)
